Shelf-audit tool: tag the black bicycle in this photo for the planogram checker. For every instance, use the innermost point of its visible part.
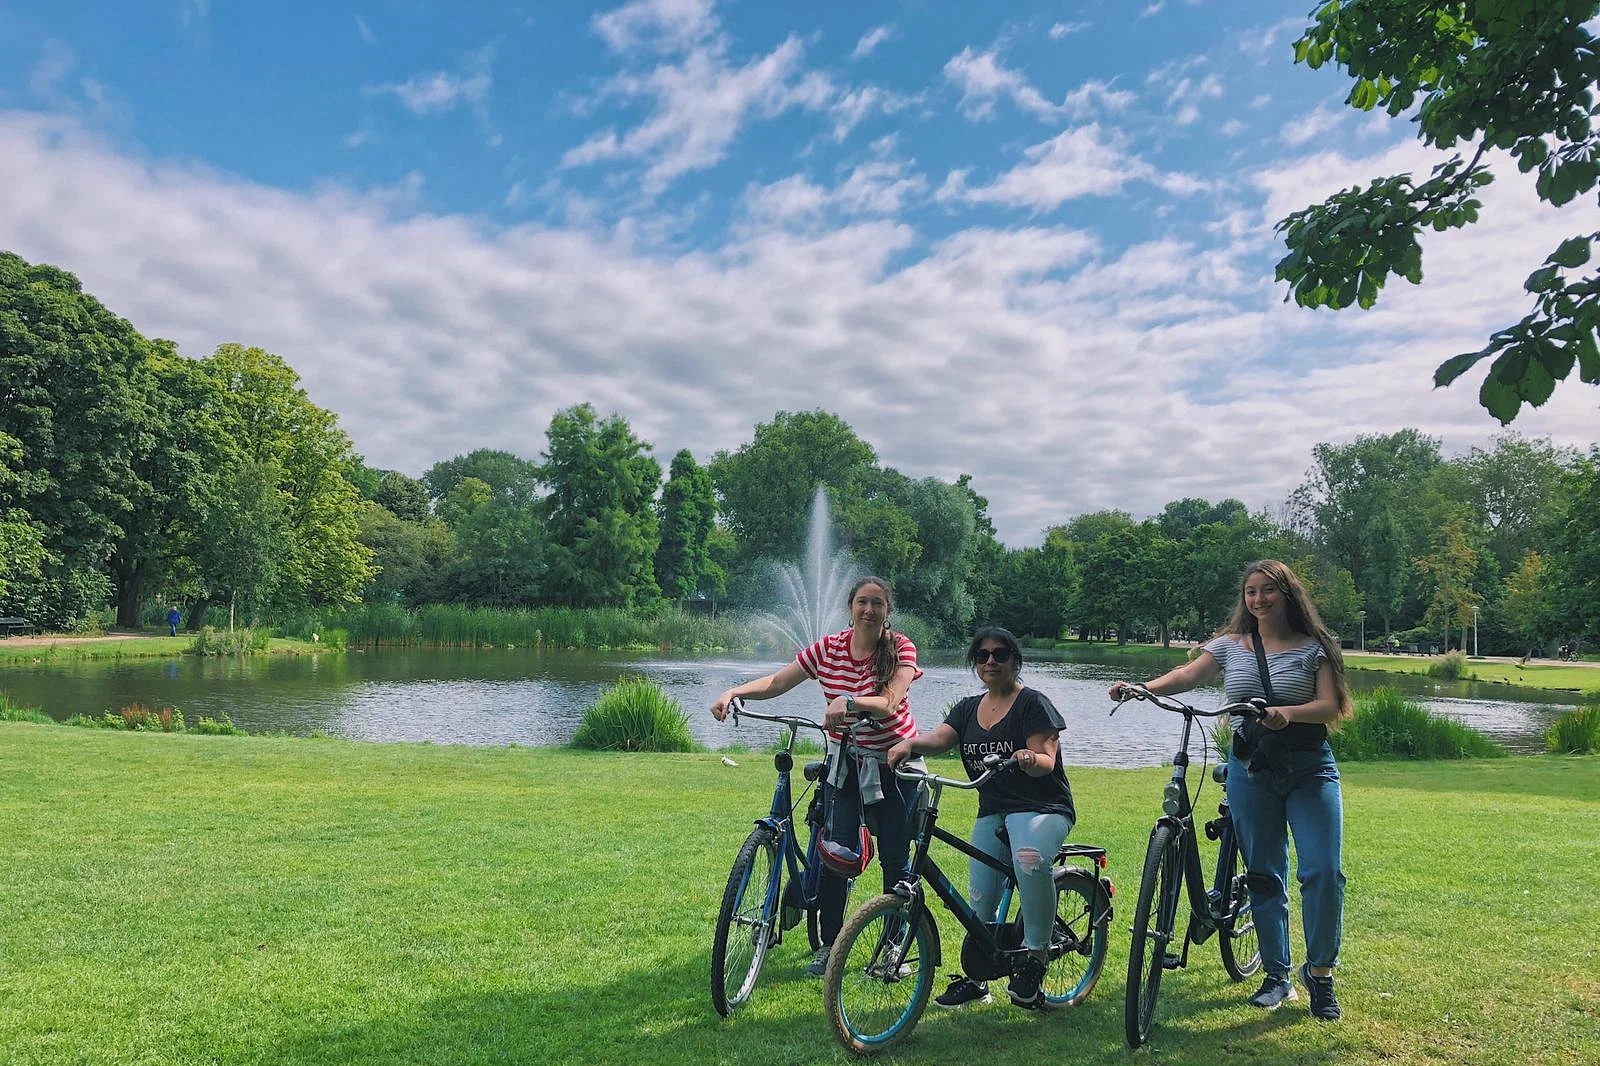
(887, 956)
(1171, 861)
(757, 906)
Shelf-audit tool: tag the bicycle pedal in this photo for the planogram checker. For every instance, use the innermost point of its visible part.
(1171, 962)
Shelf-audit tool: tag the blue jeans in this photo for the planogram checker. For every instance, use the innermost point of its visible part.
(1302, 798)
(1035, 839)
(890, 822)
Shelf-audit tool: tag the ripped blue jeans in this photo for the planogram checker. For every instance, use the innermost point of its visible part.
(1035, 839)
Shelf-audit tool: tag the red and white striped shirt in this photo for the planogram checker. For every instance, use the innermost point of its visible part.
(829, 661)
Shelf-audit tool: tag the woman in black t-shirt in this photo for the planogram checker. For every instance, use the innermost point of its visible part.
(1034, 806)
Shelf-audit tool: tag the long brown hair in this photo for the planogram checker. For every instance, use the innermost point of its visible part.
(1302, 616)
(885, 657)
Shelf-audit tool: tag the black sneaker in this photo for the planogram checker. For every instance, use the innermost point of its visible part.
(1275, 992)
(818, 966)
(962, 990)
(1027, 975)
(1324, 1004)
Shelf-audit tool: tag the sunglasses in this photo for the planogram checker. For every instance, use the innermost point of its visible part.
(983, 655)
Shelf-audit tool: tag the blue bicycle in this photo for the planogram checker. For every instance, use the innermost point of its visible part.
(758, 907)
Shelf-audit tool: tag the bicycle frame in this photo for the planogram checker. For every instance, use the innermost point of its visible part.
(924, 868)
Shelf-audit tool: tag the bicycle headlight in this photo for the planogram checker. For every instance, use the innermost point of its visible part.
(1172, 799)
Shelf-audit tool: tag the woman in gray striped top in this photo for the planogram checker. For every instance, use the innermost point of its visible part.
(1282, 779)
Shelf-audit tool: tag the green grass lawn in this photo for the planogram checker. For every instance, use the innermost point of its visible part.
(182, 899)
(1533, 675)
(19, 651)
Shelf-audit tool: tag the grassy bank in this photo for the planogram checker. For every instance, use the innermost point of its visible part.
(35, 651)
(180, 899)
(1533, 675)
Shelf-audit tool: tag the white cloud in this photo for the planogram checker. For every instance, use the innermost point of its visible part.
(878, 187)
(365, 31)
(1308, 128)
(701, 99)
(1106, 376)
(1059, 30)
(1081, 161)
(441, 91)
(193, 12)
(660, 25)
(870, 40)
(1151, 10)
(1262, 41)
(852, 107)
(983, 79)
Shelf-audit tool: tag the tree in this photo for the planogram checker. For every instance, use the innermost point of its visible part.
(765, 488)
(506, 474)
(273, 430)
(74, 399)
(599, 514)
(1516, 491)
(946, 527)
(21, 542)
(404, 497)
(414, 560)
(1577, 554)
(1449, 570)
(1162, 587)
(688, 512)
(1510, 75)
(1360, 505)
(1529, 601)
(1035, 587)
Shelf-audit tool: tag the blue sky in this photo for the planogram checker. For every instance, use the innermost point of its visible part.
(1029, 241)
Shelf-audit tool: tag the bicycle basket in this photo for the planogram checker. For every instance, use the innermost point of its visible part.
(844, 862)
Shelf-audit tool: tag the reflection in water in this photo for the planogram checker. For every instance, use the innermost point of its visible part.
(502, 696)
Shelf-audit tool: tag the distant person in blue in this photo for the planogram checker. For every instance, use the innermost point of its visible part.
(1282, 777)
(173, 618)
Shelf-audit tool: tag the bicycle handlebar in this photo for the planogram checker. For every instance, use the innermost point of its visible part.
(1251, 708)
(736, 706)
(911, 773)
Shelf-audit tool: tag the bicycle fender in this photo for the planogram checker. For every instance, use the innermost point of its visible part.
(1094, 887)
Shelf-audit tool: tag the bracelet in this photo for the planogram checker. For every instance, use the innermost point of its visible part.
(850, 706)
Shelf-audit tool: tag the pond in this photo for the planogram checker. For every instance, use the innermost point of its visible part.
(503, 696)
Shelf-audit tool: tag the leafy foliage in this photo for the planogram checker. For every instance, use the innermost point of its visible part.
(634, 715)
(1386, 725)
(1576, 733)
(1510, 75)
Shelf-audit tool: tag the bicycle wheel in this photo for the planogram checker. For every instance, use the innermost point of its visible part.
(747, 922)
(1078, 942)
(1241, 953)
(1152, 931)
(880, 975)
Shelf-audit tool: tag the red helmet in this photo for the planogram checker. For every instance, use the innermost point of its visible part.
(844, 862)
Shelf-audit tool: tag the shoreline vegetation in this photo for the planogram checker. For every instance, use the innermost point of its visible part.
(306, 904)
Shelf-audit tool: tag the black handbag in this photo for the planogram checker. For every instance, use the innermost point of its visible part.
(1261, 748)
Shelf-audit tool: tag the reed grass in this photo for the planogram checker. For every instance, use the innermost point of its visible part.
(634, 715)
(595, 628)
(1386, 725)
(11, 711)
(1576, 732)
(1451, 666)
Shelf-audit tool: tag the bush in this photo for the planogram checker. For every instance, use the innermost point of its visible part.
(634, 715)
(220, 726)
(1451, 666)
(1386, 725)
(1576, 732)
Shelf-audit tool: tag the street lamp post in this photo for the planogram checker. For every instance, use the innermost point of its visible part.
(1474, 631)
(1363, 642)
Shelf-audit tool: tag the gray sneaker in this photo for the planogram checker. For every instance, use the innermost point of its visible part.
(1324, 1004)
(818, 965)
(1275, 992)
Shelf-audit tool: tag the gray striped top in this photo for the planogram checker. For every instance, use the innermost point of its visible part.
(1293, 670)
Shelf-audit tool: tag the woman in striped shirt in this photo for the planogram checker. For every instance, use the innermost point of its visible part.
(1282, 779)
(865, 673)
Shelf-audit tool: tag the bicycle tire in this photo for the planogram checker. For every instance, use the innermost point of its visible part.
(1236, 934)
(867, 1009)
(1077, 942)
(746, 921)
(1153, 919)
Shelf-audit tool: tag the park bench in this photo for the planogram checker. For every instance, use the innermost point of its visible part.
(10, 626)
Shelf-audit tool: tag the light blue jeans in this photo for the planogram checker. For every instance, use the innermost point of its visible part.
(1035, 839)
(1303, 798)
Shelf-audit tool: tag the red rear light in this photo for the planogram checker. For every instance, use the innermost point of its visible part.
(1111, 889)
(1100, 860)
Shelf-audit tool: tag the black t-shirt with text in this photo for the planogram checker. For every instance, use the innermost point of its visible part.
(1013, 791)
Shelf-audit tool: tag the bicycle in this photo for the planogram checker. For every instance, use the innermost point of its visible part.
(884, 962)
(1172, 860)
(755, 910)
